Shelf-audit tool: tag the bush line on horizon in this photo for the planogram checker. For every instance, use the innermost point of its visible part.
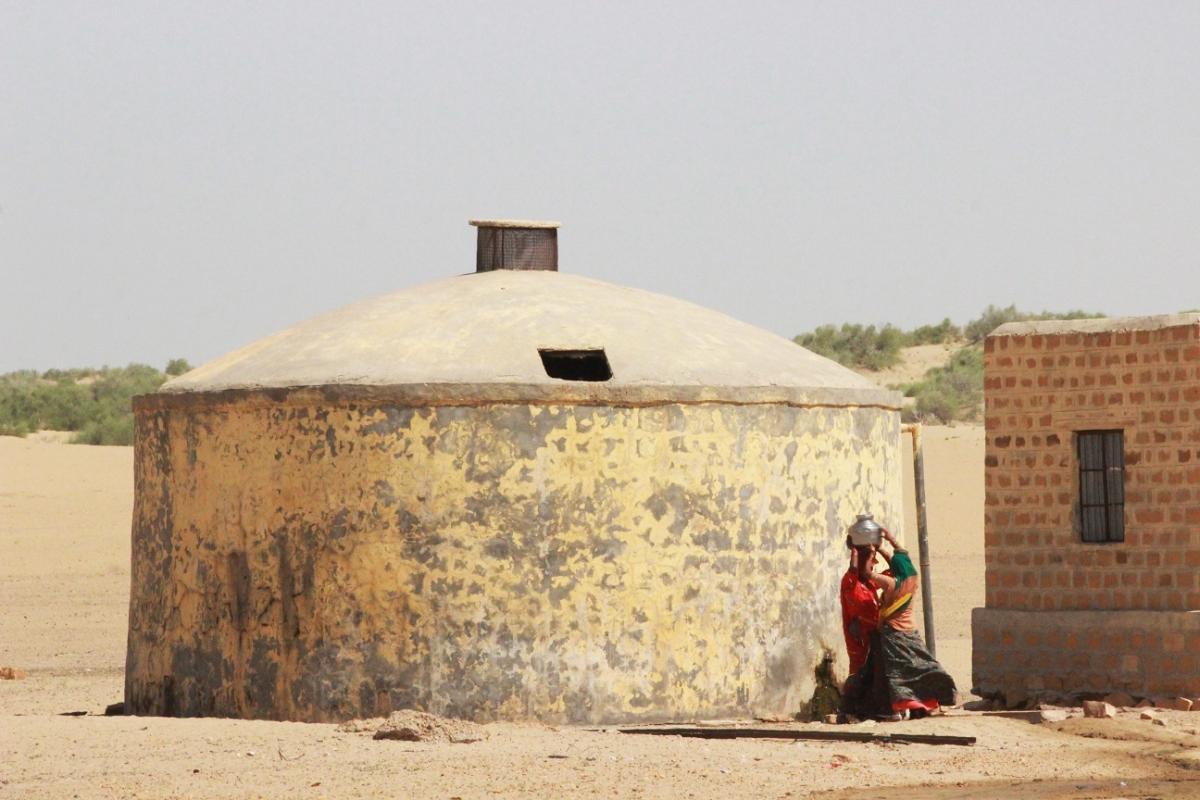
(93, 403)
(950, 393)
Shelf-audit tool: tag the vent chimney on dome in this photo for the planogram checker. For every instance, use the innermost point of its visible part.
(516, 244)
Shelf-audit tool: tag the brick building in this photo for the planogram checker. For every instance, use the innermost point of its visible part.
(1092, 510)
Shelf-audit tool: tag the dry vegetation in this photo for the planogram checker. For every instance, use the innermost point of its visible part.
(92, 403)
(950, 391)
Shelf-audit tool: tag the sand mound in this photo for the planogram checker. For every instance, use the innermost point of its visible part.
(417, 726)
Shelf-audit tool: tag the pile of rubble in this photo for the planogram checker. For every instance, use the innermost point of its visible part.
(1108, 707)
(417, 726)
(1118, 700)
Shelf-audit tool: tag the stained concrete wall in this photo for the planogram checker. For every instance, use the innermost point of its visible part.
(303, 557)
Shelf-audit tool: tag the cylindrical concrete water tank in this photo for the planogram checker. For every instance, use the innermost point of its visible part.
(510, 494)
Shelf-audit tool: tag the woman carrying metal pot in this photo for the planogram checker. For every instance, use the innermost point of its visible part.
(892, 674)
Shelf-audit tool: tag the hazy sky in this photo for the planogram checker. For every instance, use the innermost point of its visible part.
(178, 179)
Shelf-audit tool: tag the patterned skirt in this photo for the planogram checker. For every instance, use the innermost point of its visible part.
(899, 675)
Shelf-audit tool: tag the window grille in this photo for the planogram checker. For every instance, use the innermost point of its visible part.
(1102, 486)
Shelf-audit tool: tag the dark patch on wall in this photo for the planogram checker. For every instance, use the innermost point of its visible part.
(198, 673)
(192, 439)
(790, 453)
(713, 540)
(394, 420)
(384, 493)
(238, 577)
(322, 683)
(607, 549)
(727, 565)
(416, 583)
(611, 654)
(339, 525)
(263, 678)
(656, 505)
(498, 547)
(289, 621)
(407, 522)
(678, 500)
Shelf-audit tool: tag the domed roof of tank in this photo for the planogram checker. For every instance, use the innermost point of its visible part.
(487, 329)
(488, 335)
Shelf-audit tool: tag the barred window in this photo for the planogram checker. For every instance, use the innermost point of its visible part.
(1102, 486)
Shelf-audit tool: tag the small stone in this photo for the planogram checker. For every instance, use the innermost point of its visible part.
(12, 674)
(1148, 715)
(1053, 715)
(978, 705)
(1119, 699)
(831, 719)
(1158, 721)
(1145, 702)
(1098, 709)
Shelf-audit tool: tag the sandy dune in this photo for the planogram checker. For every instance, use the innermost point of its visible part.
(64, 588)
(914, 363)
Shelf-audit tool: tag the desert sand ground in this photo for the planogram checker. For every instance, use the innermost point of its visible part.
(64, 587)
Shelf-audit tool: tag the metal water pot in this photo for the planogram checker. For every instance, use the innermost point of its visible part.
(865, 531)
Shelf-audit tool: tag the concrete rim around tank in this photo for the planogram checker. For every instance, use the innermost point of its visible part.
(476, 338)
(450, 395)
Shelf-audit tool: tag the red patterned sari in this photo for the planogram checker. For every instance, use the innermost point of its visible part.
(896, 673)
(860, 617)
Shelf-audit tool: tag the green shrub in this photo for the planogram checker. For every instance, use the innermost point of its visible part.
(950, 393)
(864, 347)
(942, 333)
(94, 403)
(107, 429)
(76, 374)
(993, 317)
(62, 406)
(177, 366)
(17, 406)
(14, 429)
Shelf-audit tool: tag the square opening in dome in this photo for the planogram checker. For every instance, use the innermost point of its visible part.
(576, 365)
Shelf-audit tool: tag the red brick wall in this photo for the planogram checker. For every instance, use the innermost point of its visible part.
(1040, 390)
(1085, 653)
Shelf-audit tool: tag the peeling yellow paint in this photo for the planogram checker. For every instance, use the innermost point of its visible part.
(310, 561)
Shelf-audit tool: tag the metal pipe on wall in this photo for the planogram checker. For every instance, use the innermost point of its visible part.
(922, 535)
